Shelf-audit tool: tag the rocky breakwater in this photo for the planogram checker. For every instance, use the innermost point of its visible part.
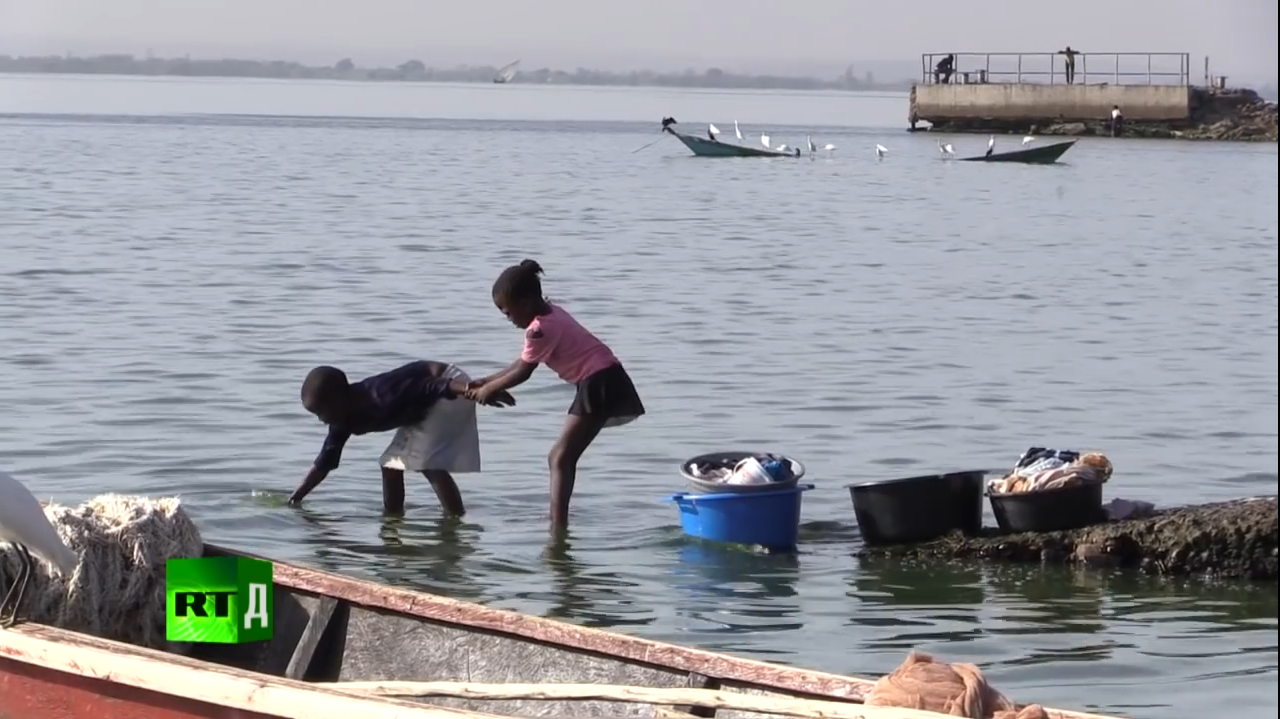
(1235, 540)
(1233, 114)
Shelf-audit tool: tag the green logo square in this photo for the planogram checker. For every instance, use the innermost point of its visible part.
(219, 600)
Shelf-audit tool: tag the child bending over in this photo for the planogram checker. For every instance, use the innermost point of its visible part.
(425, 402)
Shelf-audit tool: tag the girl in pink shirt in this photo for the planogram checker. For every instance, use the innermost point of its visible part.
(605, 397)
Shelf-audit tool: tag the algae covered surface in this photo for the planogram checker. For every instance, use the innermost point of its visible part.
(1235, 539)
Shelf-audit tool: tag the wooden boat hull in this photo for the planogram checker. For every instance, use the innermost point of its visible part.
(1043, 155)
(33, 692)
(330, 628)
(713, 148)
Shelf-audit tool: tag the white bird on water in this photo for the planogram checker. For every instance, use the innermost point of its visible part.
(812, 147)
(764, 140)
(712, 130)
(736, 131)
(781, 148)
(24, 525)
(828, 147)
(991, 144)
(945, 149)
(1028, 140)
(881, 151)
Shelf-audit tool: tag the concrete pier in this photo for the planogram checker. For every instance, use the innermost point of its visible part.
(1060, 103)
(1044, 93)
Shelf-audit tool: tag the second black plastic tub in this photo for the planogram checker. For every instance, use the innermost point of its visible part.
(917, 509)
(1051, 510)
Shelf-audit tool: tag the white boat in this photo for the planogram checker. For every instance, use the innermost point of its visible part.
(507, 73)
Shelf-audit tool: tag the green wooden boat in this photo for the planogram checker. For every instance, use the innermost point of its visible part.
(1044, 155)
(705, 147)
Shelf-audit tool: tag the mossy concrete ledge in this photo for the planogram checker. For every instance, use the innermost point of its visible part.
(1227, 540)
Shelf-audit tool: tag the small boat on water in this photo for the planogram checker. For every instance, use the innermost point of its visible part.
(507, 73)
(1043, 155)
(710, 146)
(349, 649)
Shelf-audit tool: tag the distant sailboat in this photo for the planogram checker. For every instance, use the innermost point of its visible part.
(507, 72)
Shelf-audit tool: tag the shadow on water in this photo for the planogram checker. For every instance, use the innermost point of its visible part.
(732, 595)
(592, 598)
(427, 554)
(918, 596)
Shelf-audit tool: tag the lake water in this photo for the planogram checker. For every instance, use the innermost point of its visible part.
(176, 254)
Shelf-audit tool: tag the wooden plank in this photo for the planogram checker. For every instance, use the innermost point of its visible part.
(698, 681)
(806, 708)
(164, 674)
(787, 706)
(300, 662)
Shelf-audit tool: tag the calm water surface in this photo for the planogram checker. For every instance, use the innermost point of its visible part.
(176, 254)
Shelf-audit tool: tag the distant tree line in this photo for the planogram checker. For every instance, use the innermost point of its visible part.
(417, 71)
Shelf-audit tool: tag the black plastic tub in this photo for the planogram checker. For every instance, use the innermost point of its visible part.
(1049, 511)
(917, 509)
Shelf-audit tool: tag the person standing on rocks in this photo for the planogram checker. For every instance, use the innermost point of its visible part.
(1071, 63)
(1117, 121)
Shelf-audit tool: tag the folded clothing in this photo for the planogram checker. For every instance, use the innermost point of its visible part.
(1040, 469)
(726, 470)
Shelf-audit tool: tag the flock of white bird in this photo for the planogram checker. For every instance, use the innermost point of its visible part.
(948, 151)
(881, 151)
(764, 140)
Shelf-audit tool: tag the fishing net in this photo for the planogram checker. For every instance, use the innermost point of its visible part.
(117, 592)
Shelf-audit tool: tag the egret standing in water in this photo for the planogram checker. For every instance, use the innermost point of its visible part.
(24, 525)
(991, 145)
(764, 140)
(945, 149)
(881, 151)
(736, 131)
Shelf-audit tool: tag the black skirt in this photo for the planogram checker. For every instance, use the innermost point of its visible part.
(609, 394)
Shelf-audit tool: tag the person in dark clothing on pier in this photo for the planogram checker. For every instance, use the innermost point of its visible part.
(945, 68)
(1071, 64)
(1117, 121)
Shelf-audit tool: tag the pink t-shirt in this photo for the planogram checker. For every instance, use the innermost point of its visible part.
(558, 341)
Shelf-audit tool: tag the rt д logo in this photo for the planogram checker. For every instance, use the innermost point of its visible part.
(219, 600)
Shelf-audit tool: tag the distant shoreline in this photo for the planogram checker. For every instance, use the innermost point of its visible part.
(416, 71)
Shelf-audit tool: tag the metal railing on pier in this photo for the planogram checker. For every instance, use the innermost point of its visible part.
(1054, 68)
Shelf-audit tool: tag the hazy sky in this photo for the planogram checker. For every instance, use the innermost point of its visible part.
(1239, 35)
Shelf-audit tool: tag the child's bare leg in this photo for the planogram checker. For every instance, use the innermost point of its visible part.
(392, 491)
(446, 491)
(577, 435)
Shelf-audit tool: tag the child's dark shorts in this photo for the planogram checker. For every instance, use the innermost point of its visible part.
(609, 394)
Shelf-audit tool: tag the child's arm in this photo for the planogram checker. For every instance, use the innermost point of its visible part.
(515, 375)
(327, 461)
(313, 479)
(495, 375)
(539, 343)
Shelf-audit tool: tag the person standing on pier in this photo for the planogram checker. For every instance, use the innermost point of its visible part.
(1117, 121)
(944, 69)
(1071, 64)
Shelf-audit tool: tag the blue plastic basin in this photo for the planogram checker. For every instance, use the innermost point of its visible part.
(769, 519)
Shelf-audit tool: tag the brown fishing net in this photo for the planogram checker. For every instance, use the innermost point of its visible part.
(958, 690)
